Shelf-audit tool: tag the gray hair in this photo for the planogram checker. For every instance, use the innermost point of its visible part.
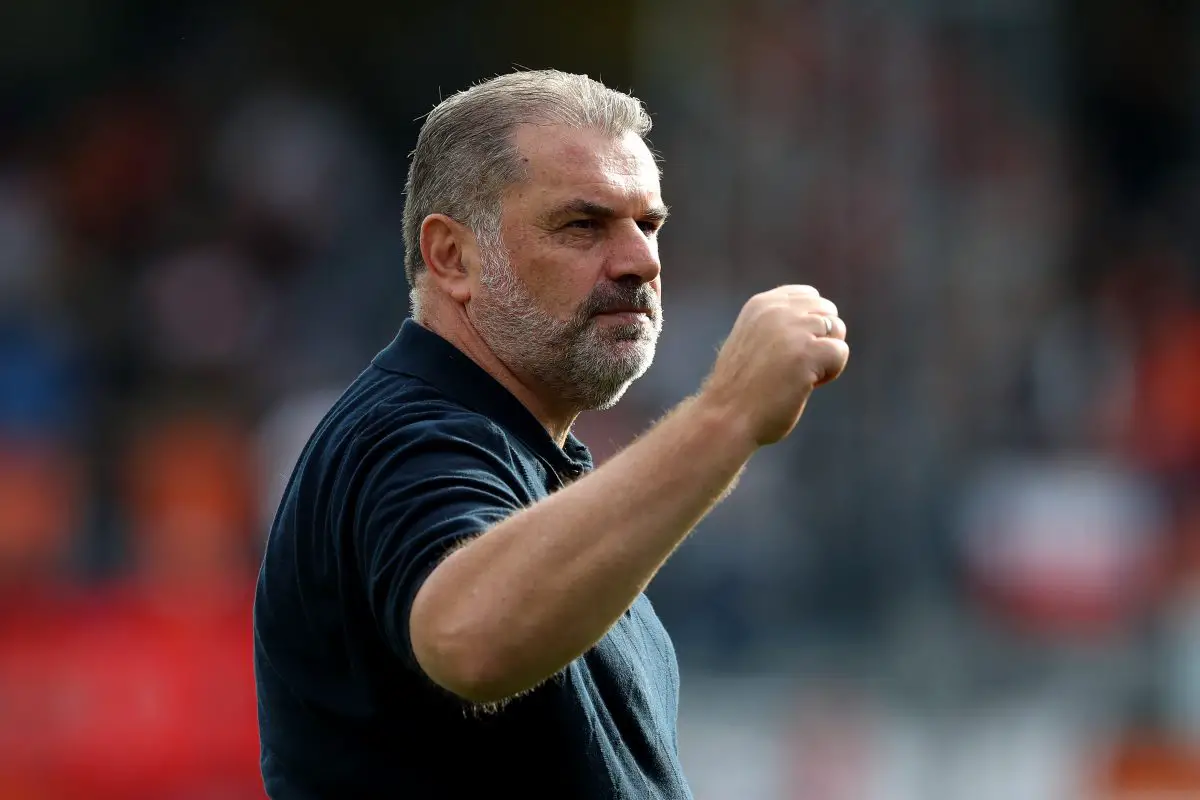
(465, 155)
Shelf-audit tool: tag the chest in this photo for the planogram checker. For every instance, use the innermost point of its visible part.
(634, 667)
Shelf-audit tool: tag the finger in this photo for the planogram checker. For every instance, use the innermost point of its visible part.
(819, 325)
(825, 326)
(832, 355)
(822, 305)
(837, 329)
(799, 289)
(812, 303)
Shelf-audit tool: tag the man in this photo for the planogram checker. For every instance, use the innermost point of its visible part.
(450, 604)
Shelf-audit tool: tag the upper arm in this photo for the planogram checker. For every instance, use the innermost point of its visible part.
(431, 486)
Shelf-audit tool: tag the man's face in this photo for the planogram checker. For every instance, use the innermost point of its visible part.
(571, 300)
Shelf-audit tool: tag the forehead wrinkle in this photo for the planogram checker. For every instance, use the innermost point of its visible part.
(565, 165)
(604, 181)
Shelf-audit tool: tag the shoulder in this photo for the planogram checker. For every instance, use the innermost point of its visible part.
(385, 409)
(411, 427)
(390, 432)
(431, 423)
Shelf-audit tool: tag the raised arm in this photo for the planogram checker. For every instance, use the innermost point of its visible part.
(522, 600)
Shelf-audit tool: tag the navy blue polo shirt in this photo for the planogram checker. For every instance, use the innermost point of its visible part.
(423, 450)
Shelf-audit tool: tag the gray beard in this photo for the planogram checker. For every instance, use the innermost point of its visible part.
(585, 365)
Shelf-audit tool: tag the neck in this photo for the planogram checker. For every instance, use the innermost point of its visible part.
(457, 329)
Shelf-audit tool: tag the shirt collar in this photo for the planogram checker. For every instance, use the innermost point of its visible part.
(421, 353)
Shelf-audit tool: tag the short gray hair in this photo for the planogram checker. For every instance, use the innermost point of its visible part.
(465, 155)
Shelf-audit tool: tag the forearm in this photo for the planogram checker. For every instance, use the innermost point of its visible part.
(526, 598)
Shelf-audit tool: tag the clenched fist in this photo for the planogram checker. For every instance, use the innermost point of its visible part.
(786, 342)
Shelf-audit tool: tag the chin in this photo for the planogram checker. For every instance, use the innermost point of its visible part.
(602, 400)
(604, 371)
(610, 400)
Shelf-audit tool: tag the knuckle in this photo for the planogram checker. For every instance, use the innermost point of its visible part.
(764, 300)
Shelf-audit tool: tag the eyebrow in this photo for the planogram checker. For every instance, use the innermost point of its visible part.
(657, 213)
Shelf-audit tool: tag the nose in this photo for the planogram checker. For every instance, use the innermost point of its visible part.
(634, 255)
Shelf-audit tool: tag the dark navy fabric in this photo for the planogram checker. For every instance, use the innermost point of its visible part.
(423, 451)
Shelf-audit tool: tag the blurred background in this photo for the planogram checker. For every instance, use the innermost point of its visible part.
(972, 574)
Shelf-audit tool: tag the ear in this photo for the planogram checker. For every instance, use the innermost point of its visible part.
(449, 251)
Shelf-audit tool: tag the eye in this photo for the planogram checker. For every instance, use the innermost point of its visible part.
(582, 224)
(649, 226)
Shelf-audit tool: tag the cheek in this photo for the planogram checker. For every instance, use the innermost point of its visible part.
(564, 286)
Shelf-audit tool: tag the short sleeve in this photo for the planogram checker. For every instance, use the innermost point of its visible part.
(431, 484)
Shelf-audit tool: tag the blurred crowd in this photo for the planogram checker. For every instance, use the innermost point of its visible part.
(187, 265)
(1000, 498)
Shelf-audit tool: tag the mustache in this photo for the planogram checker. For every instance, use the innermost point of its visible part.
(608, 297)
